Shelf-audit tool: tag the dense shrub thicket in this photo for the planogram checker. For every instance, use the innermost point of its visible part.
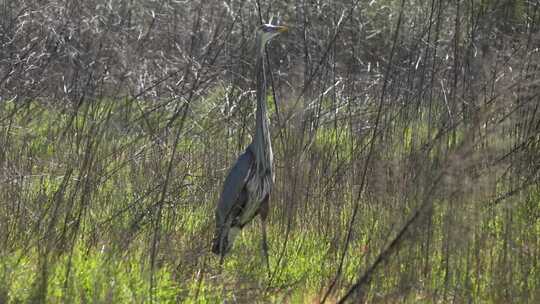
(406, 134)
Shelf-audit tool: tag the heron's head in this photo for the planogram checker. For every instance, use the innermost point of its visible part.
(266, 32)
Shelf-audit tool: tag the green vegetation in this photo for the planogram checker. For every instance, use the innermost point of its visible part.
(89, 235)
(406, 139)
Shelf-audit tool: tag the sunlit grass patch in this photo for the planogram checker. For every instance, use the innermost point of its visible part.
(88, 276)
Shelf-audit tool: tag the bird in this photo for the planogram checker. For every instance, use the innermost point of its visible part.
(247, 187)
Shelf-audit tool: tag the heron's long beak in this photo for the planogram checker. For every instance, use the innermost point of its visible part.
(282, 29)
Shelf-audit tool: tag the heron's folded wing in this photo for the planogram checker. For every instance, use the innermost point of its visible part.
(233, 185)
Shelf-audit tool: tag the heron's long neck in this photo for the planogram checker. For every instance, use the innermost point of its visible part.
(262, 133)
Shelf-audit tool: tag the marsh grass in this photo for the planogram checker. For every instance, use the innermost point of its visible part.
(405, 139)
(80, 233)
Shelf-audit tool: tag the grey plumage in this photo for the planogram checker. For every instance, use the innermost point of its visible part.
(247, 188)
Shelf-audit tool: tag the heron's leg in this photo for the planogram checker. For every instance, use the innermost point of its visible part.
(221, 249)
(221, 258)
(264, 214)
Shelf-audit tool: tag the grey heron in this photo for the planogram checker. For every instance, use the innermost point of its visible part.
(247, 187)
